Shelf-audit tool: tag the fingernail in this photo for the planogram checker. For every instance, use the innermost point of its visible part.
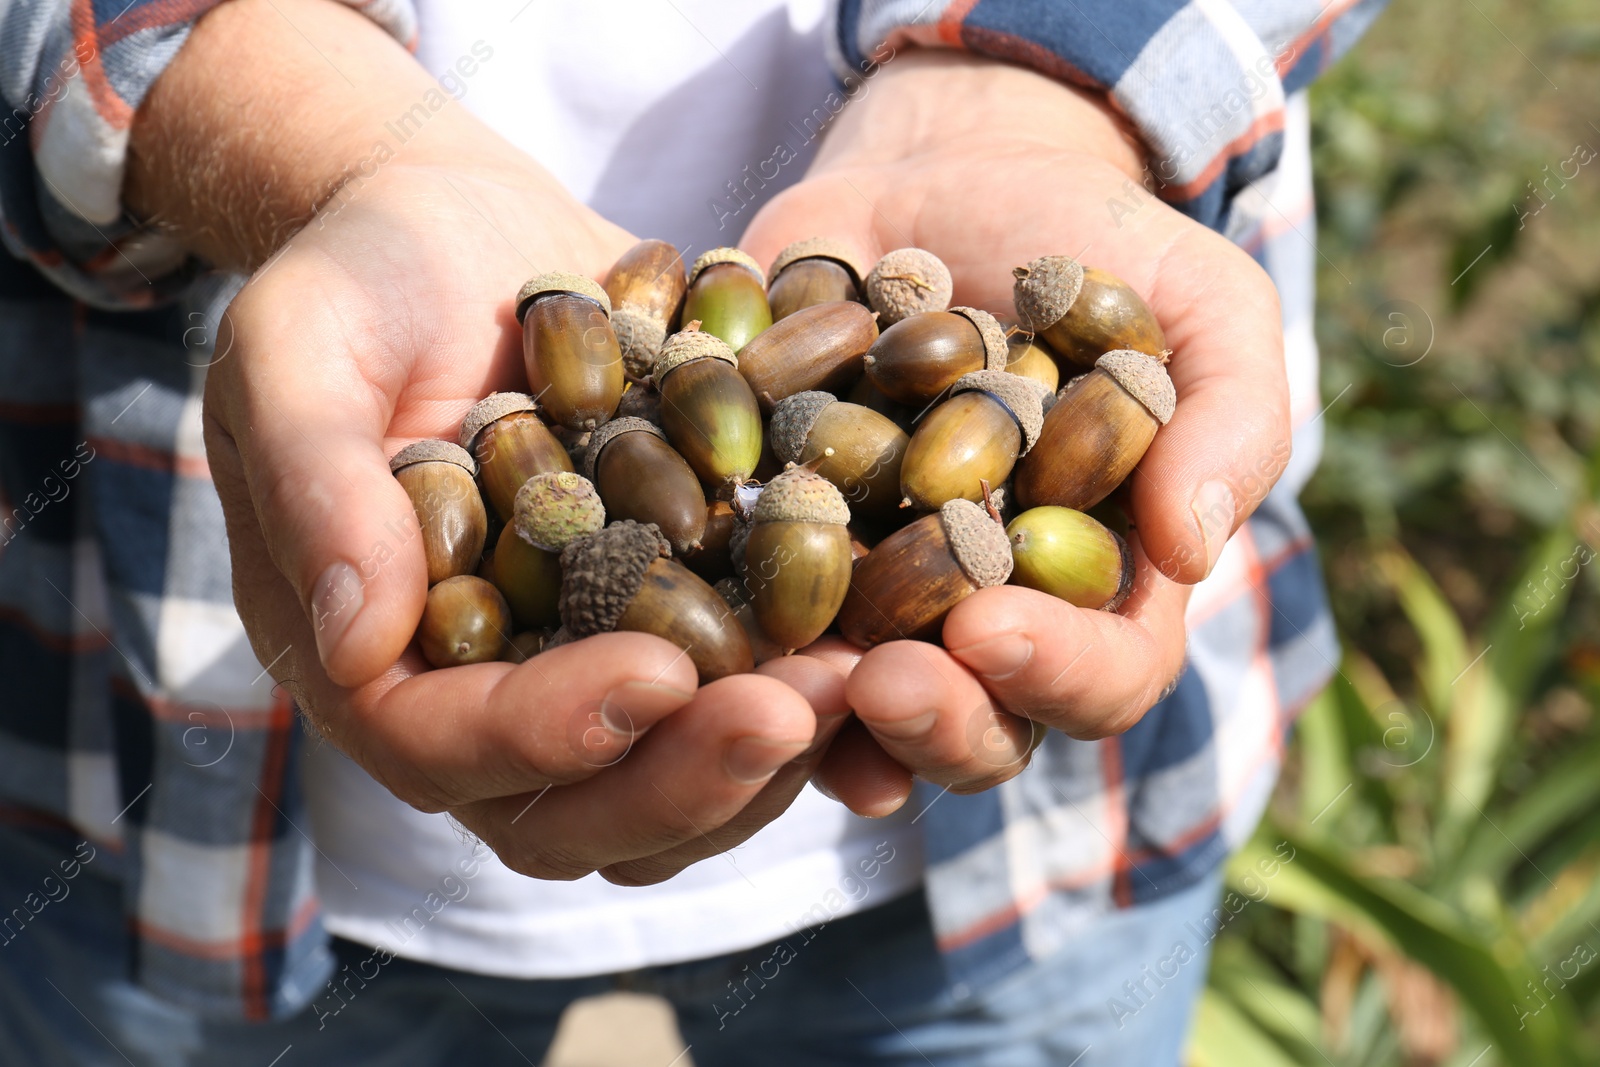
(1214, 511)
(752, 760)
(635, 706)
(335, 603)
(998, 657)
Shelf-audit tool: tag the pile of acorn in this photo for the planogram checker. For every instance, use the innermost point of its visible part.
(740, 468)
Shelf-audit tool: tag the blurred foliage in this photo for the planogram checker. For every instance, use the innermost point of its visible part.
(1443, 797)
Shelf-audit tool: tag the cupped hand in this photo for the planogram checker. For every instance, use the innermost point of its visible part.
(990, 166)
(380, 323)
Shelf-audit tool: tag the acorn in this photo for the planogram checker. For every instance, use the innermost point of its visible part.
(797, 557)
(870, 396)
(623, 578)
(1097, 432)
(918, 358)
(571, 355)
(464, 621)
(728, 296)
(646, 287)
(511, 445)
(972, 439)
(907, 282)
(640, 477)
(1026, 355)
(912, 579)
(713, 560)
(734, 594)
(438, 477)
(819, 347)
(1071, 556)
(641, 401)
(524, 646)
(707, 409)
(854, 447)
(551, 511)
(818, 270)
(1083, 313)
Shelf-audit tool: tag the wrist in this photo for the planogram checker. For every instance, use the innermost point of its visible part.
(271, 109)
(930, 101)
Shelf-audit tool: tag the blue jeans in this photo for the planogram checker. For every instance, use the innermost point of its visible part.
(867, 989)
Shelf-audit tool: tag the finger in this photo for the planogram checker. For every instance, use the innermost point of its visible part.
(310, 439)
(1229, 439)
(822, 687)
(692, 774)
(1088, 673)
(931, 715)
(859, 774)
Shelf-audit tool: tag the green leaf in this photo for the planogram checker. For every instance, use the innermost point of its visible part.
(1226, 1037)
(1487, 973)
(1444, 642)
(1257, 989)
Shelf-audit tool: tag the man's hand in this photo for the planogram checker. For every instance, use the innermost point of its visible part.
(380, 323)
(990, 166)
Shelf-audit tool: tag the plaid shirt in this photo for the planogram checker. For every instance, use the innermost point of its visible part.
(134, 713)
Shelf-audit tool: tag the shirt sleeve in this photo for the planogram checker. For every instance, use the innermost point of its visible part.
(1204, 82)
(72, 75)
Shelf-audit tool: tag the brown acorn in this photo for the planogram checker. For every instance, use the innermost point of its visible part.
(1027, 355)
(855, 448)
(438, 477)
(464, 621)
(713, 560)
(1084, 313)
(728, 296)
(524, 646)
(907, 282)
(870, 396)
(569, 350)
(1071, 556)
(640, 477)
(797, 557)
(707, 409)
(918, 358)
(511, 445)
(972, 439)
(737, 597)
(1097, 432)
(552, 510)
(820, 347)
(646, 286)
(818, 270)
(912, 579)
(622, 578)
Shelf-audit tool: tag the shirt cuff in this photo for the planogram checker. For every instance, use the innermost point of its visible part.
(71, 78)
(1203, 82)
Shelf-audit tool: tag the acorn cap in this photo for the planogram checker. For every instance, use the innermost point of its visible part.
(996, 350)
(819, 248)
(561, 281)
(602, 573)
(434, 452)
(726, 255)
(641, 401)
(609, 430)
(1022, 397)
(553, 510)
(801, 495)
(690, 343)
(792, 421)
(639, 335)
(492, 407)
(1145, 379)
(738, 541)
(978, 543)
(908, 281)
(1045, 290)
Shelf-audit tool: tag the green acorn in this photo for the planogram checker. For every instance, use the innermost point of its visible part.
(1071, 556)
(707, 409)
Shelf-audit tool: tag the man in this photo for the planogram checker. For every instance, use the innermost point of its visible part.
(387, 209)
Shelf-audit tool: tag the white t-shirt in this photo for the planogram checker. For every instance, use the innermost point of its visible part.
(648, 111)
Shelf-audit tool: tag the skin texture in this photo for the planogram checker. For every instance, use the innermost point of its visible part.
(388, 315)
